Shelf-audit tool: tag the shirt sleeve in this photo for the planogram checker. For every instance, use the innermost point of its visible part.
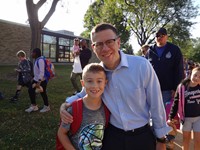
(155, 102)
(67, 125)
(77, 96)
(41, 69)
(174, 108)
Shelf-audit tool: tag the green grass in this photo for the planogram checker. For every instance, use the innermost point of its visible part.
(35, 131)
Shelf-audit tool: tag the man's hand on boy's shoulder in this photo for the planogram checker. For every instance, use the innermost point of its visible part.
(65, 116)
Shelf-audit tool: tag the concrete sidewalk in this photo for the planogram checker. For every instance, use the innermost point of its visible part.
(179, 141)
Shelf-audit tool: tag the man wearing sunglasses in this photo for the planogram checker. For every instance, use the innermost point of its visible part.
(167, 61)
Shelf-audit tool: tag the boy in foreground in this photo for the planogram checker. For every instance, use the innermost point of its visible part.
(91, 131)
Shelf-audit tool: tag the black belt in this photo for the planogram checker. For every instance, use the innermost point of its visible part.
(132, 132)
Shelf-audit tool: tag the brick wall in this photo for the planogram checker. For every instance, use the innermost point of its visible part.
(13, 37)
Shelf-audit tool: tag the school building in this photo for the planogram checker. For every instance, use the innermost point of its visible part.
(55, 45)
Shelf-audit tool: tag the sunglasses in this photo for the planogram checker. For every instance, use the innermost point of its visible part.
(160, 35)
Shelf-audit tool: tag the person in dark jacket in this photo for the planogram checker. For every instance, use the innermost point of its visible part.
(167, 61)
(85, 55)
(24, 74)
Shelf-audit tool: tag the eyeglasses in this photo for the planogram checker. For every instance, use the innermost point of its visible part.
(160, 35)
(109, 43)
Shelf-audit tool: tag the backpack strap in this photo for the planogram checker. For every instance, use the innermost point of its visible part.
(77, 113)
(31, 67)
(182, 91)
(107, 115)
(42, 57)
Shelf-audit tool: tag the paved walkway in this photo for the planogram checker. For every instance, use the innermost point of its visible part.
(178, 142)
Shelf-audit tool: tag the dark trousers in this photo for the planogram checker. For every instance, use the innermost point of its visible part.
(73, 79)
(32, 93)
(117, 139)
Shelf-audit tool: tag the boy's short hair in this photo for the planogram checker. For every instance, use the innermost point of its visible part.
(92, 67)
(21, 53)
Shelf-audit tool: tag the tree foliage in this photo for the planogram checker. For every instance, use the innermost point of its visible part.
(142, 18)
(194, 52)
(36, 25)
(107, 11)
(146, 16)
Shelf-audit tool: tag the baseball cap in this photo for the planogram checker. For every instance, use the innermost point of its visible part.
(162, 31)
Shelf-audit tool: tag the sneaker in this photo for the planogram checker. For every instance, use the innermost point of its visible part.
(32, 108)
(13, 99)
(45, 109)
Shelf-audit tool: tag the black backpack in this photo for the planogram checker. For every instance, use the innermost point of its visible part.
(31, 66)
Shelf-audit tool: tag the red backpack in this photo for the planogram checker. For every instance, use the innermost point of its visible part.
(77, 113)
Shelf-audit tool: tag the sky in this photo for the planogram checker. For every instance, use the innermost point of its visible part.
(70, 18)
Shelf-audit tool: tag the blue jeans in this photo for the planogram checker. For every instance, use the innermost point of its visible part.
(167, 96)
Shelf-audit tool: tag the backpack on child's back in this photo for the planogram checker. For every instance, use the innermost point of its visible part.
(77, 113)
(49, 69)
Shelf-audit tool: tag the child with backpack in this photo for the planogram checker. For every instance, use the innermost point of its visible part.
(187, 105)
(90, 115)
(25, 74)
(39, 80)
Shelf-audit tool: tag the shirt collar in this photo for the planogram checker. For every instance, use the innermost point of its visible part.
(123, 62)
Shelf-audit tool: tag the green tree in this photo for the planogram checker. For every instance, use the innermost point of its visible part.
(194, 52)
(107, 11)
(92, 17)
(146, 16)
(142, 18)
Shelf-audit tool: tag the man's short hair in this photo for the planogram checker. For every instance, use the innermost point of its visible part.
(101, 27)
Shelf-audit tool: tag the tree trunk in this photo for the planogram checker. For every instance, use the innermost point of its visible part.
(35, 25)
(36, 36)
